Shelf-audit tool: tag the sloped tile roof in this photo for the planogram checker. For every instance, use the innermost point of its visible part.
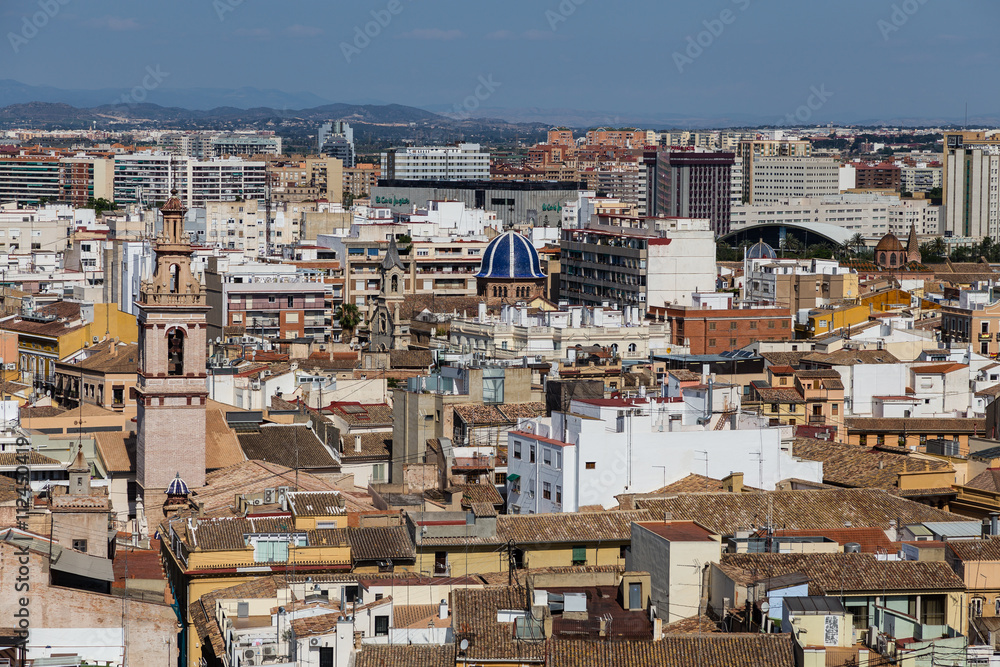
(973, 550)
(480, 493)
(987, 480)
(695, 483)
(380, 543)
(362, 414)
(222, 448)
(372, 655)
(316, 503)
(374, 446)
(869, 539)
(725, 513)
(117, 450)
(860, 466)
(287, 445)
(475, 619)
(718, 650)
(202, 611)
(691, 625)
(831, 573)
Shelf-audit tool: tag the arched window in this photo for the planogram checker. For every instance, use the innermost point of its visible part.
(175, 278)
(395, 284)
(892, 259)
(881, 259)
(631, 347)
(175, 352)
(505, 291)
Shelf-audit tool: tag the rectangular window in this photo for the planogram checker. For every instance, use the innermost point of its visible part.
(547, 456)
(381, 626)
(753, 324)
(500, 478)
(711, 326)
(863, 439)
(770, 324)
(732, 326)
(579, 555)
(80, 545)
(517, 449)
(546, 491)
(711, 342)
(531, 453)
(291, 301)
(591, 465)
(559, 497)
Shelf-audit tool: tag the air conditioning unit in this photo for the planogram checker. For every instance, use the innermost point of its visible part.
(10, 367)
(269, 496)
(248, 656)
(314, 641)
(258, 501)
(255, 385)
(269, 650)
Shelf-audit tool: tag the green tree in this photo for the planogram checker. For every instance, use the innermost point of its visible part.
(857, 243)
(100, 205)
(349, 317)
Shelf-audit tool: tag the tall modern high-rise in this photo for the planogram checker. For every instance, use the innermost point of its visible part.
(972, 184)
(749, 150)
(692, 183)
(462, 162)
(336, 139)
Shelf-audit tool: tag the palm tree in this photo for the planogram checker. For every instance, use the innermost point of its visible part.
(857, 242)
(349, 317)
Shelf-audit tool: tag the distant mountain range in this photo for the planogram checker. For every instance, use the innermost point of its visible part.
(23, 103)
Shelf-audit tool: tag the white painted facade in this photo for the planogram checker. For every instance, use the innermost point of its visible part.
(592, 453)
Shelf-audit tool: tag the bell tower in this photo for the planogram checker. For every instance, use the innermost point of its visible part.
(171, 386)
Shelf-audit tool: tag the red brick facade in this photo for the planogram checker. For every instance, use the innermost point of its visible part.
(708, 331)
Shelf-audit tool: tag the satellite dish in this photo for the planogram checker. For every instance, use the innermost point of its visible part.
(309, 424)
(765, 607)
(464, 644)
(218, 339)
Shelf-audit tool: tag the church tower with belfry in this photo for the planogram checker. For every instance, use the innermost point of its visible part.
(171, 388)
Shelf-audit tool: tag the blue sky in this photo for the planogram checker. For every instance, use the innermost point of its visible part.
(876, 58)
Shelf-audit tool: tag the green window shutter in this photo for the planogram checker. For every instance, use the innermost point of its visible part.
(579, 554)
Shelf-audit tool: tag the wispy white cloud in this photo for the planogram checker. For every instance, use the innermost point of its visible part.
(299, 30)
(116, 23)
(433, 34)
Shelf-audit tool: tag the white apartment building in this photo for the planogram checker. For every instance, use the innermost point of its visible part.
(241, 225)
(605, 447)
(922, 178)
(628, 185)
(972, 189)
(28, 230)
(776, 179)
(873, 216)
(462, 162)
(449, 218)
(553, 335)
(206, 145)
(149, 177)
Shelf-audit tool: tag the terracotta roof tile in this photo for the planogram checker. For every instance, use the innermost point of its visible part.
(695, 483)
(372, 655)
(362, 414)
(374, 446)
(859, 466)
(116, 450)
(714, 650)
(987, 480)
(725, 513)
(294, 446)
(973, 550)
(831, 573)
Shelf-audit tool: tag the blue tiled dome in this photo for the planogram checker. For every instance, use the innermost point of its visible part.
(177, 487)
(761, 250)
(510, 255)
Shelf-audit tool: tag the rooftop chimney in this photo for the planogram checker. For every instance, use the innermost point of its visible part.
(443, 609)
(357, 444)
